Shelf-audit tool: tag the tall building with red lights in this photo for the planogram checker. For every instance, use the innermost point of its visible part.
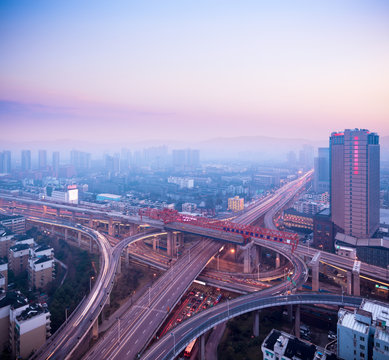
(355, 182)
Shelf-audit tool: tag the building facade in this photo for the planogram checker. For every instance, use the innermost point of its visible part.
(14, 223)
(354, 181)
(364, 333)
(236, 203)
(321, 182)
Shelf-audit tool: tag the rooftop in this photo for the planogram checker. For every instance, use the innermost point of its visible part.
(42, 248)
(42, 260)
(19, 247)
(378, 310)
(298, 213)
(347, 319)
(31, 311)
(10, 217)
(13, 298)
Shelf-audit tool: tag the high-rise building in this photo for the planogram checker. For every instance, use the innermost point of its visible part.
(80, 160)
(26, 160)
(321, 181)
(186, 158)
(42, 159)
(306, 156)
(55, 163)
(236, 203)
(5, 162)
(354, 182)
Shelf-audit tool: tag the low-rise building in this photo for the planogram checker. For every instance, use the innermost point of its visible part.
(364, 333)
(41, 266)
(6, 237)
(296, 220)
(236, 203)
(280, 345)
(31, 329)
(15, 223)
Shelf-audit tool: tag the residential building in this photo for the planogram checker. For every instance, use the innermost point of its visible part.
(40, 271)
(18, 258)
(281, 345)
(30, 331)
(236, 203)
(80, 160)
(364, 333)
(182, 182)
(14, 223)
(26, 160)
(321, 182)
(42, 159)
(6, 237)
(4, 273)
(186, 158)
(189, 207)
(5, 162)
(354, 181)
(55, 163)
(12, 301)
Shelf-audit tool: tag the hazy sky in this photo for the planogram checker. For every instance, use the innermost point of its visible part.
(124, 70)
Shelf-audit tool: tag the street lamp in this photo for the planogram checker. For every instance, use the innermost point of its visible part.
(174, 342)
(258, 271)
(90, 283)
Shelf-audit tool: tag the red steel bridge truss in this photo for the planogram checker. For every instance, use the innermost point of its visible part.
(246, 231)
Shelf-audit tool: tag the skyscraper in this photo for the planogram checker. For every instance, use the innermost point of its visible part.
(26, 160)
(5, 162)
(42, 159)
(321, 181)
(354, 179)
(55, 163)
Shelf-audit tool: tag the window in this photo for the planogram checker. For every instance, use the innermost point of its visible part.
(386, 348)
(361, 338)
(362, 347)
(377, 344)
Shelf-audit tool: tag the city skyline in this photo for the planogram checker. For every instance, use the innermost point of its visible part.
(129, 72)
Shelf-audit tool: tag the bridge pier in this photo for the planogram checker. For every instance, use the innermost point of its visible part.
(356, 278)
(256, 323)
(58, 212)
(297, 321)
(126, 257)
(110, 227)
(349, 283)
(73, 216)
(278, 261)
(155, 243)
(290, 313)
(119, 268)
(169, 243)
(95, 329)
(79, 238)
(247, 250)
(90, 222)
(314, 264)
(66, 234)
(202, 347)
(257, 252)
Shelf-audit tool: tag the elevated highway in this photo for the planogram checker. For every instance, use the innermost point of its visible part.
(179, 337)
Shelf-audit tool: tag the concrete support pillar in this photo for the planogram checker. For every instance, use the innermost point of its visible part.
(73, 216)
(202, 347)
(278, 263)
(58, 213)
(181, 240)
(79, 238)
(247, 261)
(110, 227)
(66, 234)
(119, 269)
(297, 321)
(95, 329)
(256, 256)
(349, 283)
(90, 244)
(126, 257)
(155, 243)
(169, 243)
(314, 264)
(256, 323)
(90, 222)
(356, 278)
(290, 313)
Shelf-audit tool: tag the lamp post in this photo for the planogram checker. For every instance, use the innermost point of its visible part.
(90, 283)
(258, 271)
